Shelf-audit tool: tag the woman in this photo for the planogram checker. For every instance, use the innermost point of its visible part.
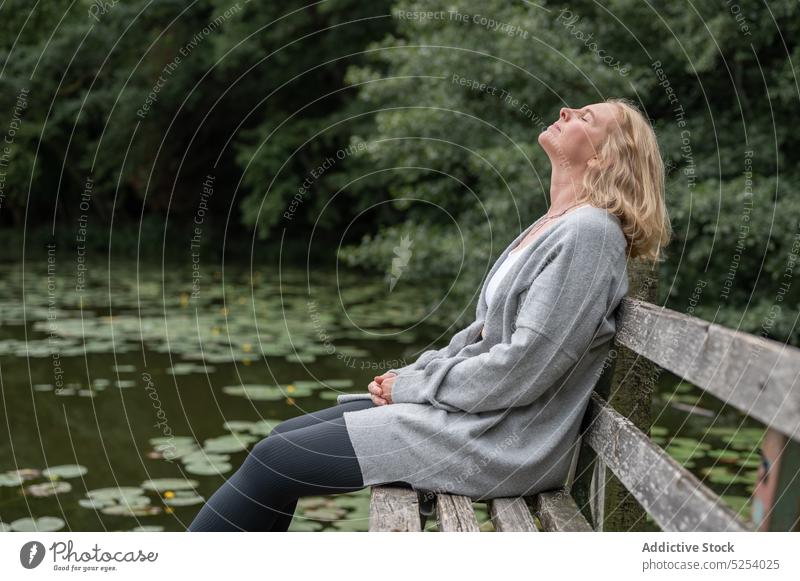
(497, 411)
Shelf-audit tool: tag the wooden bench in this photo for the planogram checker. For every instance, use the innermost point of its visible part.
(618, 473)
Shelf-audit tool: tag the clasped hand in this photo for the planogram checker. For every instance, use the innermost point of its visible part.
(381, 388)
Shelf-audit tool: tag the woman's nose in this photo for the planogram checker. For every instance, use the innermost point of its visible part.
(564, 113)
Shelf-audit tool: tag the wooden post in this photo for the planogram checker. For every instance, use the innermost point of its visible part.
(631, 394)
(627, 384)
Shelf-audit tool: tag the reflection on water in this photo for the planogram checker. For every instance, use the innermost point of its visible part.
(130, 399)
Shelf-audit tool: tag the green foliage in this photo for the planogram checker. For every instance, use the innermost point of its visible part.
(368, 123)
(468, 155)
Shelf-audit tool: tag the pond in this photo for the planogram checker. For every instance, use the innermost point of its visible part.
(130, 396)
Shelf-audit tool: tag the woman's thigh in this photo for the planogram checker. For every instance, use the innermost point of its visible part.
(324, 415)
(315, 459)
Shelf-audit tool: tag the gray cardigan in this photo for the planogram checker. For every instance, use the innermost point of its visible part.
(499, 416)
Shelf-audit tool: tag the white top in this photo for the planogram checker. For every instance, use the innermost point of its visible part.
(494, 282)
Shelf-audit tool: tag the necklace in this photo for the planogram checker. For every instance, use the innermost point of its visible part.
(537, 226)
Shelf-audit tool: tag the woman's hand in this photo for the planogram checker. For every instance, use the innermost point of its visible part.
(381, 388)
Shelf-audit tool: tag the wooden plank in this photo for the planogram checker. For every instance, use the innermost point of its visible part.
(394, 508)
(776, 500)
(454, 513)
(672, 495)
(583, 485)
(756, 375)
(511, 515)
(597, 498)
(558, 512)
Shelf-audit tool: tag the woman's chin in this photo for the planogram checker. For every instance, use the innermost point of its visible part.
(545, 140)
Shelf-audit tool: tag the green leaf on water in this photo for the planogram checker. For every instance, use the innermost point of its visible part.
(115, 493)
(124, 368)
(184, 498)
(10, 480)
(207, 468)
(228, 444)
(48, 488)
(41, 524)
(304, 525)
(162, 484)
(147, 529)
(65, 471)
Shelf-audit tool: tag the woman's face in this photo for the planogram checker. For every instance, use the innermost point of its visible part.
(576, 136)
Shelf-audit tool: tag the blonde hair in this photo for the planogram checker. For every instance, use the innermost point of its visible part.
(628, 181)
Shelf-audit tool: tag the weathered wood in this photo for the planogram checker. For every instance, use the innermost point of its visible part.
(557, 511)
(394, 508)
(672, 495)
(756, 375)
(454, 513)
(630, 393)
(581, 488)
(597, 498)
(776, 500)
(511, 515)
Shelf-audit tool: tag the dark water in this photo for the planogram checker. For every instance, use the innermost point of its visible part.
(141, 391)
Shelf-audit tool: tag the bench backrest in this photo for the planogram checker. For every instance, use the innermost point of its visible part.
(758, 376)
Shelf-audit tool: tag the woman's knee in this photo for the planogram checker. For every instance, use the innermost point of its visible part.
(269, 461)
(266, 449)
(284, 426)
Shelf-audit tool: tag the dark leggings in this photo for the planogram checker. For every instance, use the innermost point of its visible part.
(303, 456)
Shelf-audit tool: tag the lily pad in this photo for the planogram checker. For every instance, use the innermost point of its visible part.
(260, 428)
(11, 480)
(184, 498)
(188, 368)
(162, 484)
(229, 443)
(266, 392)
(65, 471)
(351, 525)
(301, 358)
(206, 468)
(115, 493)
(128, 510)
(124, 368)
(304, 525)
(48, 488)
(176, 440)
(41, 524)
(95, 503)
(203, 456)
(147, 529)
(325, 513)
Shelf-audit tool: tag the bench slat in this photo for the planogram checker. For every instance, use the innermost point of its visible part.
(756, 375)
(454, 513)
(511, 515)
(672, 495)
(558, 512)
(394, 508)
